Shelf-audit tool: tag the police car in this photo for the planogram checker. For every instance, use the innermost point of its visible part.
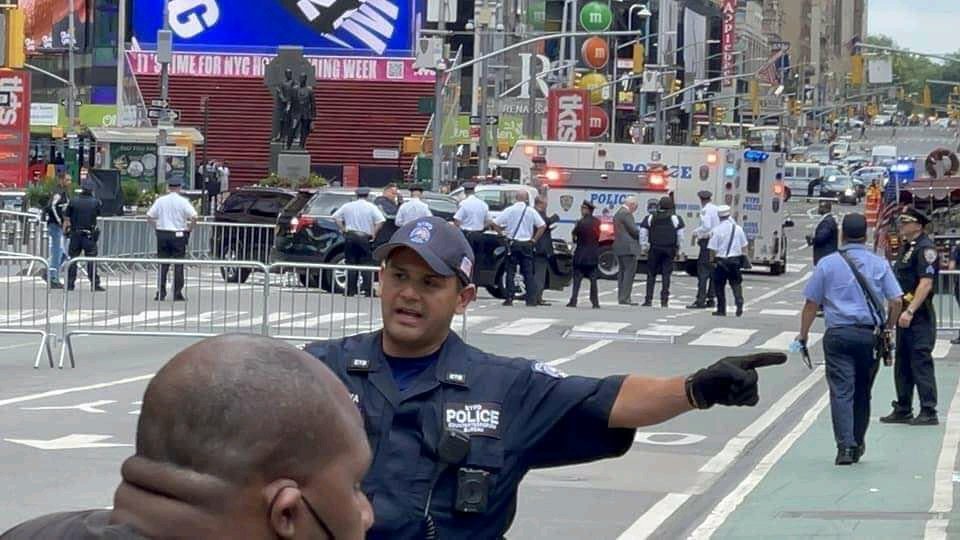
(751, 182)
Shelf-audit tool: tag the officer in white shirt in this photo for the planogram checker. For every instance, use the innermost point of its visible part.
(359, 221)
(412, 209)
(523, 226)
(727, 241)
(173, 217)
(709, 219)
(472, 218)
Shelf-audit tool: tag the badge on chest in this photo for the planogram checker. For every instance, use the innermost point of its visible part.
(481, 419)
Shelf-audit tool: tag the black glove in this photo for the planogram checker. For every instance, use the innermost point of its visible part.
(730, 381)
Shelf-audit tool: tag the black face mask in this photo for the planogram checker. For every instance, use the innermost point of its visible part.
(313, 512)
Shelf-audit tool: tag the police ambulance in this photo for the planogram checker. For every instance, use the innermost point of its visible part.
(749, 181)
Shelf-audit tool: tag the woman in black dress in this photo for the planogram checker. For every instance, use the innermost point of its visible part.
(586, 256)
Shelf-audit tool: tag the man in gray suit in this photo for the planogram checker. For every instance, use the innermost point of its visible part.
(626, 246)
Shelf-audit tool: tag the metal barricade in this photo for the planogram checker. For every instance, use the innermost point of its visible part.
(25, 301)
(232, 241)
(946, 300)
(315, 305)
(23, 232)
(131, 305)
(127, 237)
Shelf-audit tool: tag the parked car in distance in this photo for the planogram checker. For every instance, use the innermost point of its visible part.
(252, 214)
(842, 188)
(870, 174)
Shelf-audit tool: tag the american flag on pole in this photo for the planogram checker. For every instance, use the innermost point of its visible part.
(888, 212)
(769, 73)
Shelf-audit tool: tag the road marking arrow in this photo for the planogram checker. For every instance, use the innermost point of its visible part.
(69, 442)
(91, 407)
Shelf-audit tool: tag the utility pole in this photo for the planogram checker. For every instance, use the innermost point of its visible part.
(437, 127)
(165, 56)
(121, 57)
(72, 142)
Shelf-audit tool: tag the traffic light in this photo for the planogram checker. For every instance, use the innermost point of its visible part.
(14, 41)
(677, 85)
(719, 113)
(856, 70)
(639, 57)
(755, 97)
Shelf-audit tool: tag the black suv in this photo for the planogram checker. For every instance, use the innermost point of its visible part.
(306, 233)
(254, 211)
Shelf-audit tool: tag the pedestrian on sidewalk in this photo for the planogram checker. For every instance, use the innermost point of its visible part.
(173, 217)
(727, 241)
(662, 233)
(855, 320)
(543, 249)
(917, 267)
(55, 216)
(626, 247)
(586, 256)
(709, 218)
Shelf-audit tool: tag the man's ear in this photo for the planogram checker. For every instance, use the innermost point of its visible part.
(282, 498)
(467, 294)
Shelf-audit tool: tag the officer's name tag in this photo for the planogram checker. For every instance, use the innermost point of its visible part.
(482, 419)
(179, 234)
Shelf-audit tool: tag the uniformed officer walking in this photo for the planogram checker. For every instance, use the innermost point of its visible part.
(473, 217)
(360, 221)
(727, 241)
(413, 208)
(709, 218)
(454, 429)
(662, 232)
(917, 267)
(81, 227)
(854, 321)
(523, 226)
(55, 216)
(173, 218)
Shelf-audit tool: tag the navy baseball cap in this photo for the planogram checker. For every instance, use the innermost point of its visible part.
(441, 245)
(854, 226)
(174, 181)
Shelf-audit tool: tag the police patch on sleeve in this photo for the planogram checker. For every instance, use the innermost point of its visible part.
(548, 370)
(480, 419)
(930, 255)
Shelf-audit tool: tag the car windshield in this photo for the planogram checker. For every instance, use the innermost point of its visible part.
(839, 182)
(443, 205)
(326, 203)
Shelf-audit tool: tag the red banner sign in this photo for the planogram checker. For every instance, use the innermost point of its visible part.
(14, 128)
(253, 66)
(728, 39)
(568, 114)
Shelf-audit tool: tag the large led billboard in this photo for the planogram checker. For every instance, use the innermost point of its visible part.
(326, 27)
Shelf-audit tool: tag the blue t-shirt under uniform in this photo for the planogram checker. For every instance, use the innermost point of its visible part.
(406, 370)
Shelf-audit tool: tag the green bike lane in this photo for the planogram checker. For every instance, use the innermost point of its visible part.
(895, 492)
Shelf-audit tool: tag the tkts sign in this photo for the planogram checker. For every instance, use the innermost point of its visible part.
(14, 126)
(568, 115)
(728, 39)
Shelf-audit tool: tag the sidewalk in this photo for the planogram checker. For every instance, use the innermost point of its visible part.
(889, 494)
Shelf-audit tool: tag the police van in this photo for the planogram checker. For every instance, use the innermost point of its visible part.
(749, 181)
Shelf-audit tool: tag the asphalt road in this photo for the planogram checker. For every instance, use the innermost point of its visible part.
(63, 433)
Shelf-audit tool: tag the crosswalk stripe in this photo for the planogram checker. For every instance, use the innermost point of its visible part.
(522, 327)
(600, 327)
(724, 337)
(793, 268)
(143, 317)
(472, 320)
(780, 312)
(941, 348)
(782, 341)
(668, 330)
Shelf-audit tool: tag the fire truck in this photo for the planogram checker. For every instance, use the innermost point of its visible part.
(749, 181)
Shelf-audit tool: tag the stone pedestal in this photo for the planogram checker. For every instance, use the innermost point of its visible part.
(275, 148)
(293, 165)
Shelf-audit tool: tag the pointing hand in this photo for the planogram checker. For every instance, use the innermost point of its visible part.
(730, 381)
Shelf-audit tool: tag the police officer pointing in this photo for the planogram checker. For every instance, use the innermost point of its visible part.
(81, 227)
(917, 266)
(663, 232)
(454, 429)
(360, 221)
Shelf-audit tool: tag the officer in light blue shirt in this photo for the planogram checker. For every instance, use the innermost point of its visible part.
(848, 345)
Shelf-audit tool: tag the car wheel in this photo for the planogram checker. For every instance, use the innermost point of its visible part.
(777, 269)
(335, 281)
(519, 287)
(233, 274)
(608, 264)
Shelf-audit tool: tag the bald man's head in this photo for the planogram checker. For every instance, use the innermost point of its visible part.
(241, 407)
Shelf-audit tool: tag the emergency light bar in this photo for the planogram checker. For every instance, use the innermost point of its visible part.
(755, 156)
(654, 179)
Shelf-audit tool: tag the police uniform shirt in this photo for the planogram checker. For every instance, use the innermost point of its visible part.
(172, 212)
(709, 218)
(834, 286)
(359, 216)
(520, 221)
(720, 239)
(411, 210)
(519, 415)
(644, 228)
(472, 214)
(83, 212)
(918, 259)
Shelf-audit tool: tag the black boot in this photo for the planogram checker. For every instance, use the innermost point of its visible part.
(846, 456)
(927, 417)
(898, 416)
